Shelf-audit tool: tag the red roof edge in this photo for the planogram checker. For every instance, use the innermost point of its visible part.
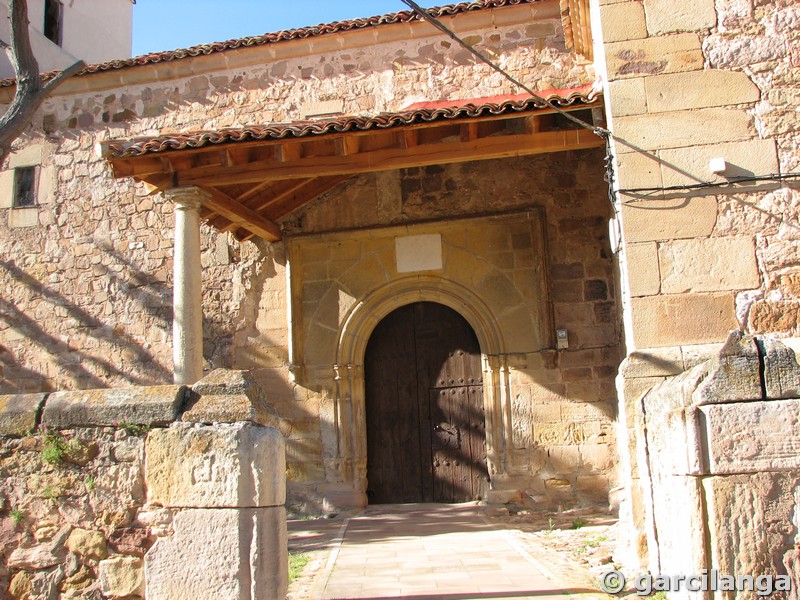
(420, 112)
(406, 16)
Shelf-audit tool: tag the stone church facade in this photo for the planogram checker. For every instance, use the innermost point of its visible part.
(344, 172)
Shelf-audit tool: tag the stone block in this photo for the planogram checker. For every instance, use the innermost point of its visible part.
(239, 465)
(685, 166)
(156, 405)
(18, 413)
(670, 16)
(7, 188)
(682, 319)
(87, 543)
(653, 56)
(656, 362)
(781, 371)
(504, 497)
(708, 265)
(596, 457)
(121, 577)
(46, 186)
(623, 22)
(595, 486)
(19, 218)
(752, 437)
(679, 129)
(627, 97)
(30, 156)
(653, 220)
(227, 396)
(744, 513)
(731, 376)
(641, 263)
(767, 316)
(637, 171)
(699, 89)
(221, 554)
(696, 354)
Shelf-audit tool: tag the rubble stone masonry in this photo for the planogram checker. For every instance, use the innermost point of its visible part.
(87, 272)
(105, 493)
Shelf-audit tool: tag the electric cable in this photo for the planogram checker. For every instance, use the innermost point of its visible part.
(601, 132)
(424, 14)
(778, 177)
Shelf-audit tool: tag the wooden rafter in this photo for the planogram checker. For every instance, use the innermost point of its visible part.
(254, 184)
(395, 158)
(234, 211)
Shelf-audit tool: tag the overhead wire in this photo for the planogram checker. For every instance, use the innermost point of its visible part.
(424, 14)
(710, 184)
(601, 132)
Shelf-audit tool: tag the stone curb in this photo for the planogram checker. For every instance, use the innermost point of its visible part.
(148, 406)
(19, 413)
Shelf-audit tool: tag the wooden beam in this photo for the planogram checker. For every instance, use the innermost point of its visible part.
(397, 158)
(289, 151)
(290, 202)
(279, 191)
(284, 149)
(469, 132)
(347, 145)
(238, 213)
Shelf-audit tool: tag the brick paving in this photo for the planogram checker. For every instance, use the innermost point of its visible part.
(428, 552)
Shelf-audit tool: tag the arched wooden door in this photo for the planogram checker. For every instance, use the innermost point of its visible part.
(426, 433)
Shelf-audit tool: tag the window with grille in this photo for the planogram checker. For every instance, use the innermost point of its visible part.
(24, 187)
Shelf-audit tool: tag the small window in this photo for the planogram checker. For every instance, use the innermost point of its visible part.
(52, 20)
(24, 187)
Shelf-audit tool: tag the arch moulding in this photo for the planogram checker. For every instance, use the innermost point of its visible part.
(355, 330)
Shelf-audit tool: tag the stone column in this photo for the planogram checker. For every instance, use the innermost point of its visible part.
(187, 323)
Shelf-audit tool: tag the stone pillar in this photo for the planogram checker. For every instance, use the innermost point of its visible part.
(187, 323)
(225, 485)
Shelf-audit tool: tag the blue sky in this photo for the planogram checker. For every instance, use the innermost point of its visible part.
(170, 24)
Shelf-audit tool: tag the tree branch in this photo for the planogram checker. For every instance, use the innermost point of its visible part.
(62, 75)
(31, 90)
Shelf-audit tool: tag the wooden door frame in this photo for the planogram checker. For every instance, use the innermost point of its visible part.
(350, 395)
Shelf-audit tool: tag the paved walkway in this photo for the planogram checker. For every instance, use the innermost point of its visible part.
(433, 552)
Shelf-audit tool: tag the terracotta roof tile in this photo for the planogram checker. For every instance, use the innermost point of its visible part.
(406, 16)
(422, 112)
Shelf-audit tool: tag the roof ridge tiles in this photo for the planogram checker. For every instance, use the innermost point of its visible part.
(417, 113)
(406, 16)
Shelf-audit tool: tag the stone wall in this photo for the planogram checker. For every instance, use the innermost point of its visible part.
(687, 83)
(529, 246)
(128, 493)
(87, 298)
(719, 464)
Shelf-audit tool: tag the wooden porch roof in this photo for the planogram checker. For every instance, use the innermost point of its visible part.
(259, 174)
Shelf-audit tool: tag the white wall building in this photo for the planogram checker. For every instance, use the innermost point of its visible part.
(63, 32)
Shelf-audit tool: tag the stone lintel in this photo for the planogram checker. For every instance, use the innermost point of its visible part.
(18, 413)
(155, 405)
(228, 396)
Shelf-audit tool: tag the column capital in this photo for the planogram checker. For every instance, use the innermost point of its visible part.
(187, 196)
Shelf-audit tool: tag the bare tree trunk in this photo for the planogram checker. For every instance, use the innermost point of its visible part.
(31, 90)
